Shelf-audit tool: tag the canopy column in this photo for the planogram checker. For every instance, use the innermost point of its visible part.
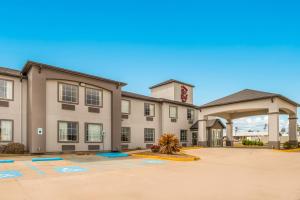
(202, 131)
(229, 133)
(293, 130)
(274, 141)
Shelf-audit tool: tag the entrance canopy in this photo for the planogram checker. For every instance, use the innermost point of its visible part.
(251, 103)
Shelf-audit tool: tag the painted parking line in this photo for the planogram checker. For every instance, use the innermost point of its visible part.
(154, 162)
(70, 169)
(9, 174)
(34, 168)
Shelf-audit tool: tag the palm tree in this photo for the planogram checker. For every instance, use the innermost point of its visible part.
(169, 144)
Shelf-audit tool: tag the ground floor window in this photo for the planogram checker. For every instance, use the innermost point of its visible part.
(6, 130)
(93, 132)
(183, 135)
(149, 135)
(67, 131)
(125, 134)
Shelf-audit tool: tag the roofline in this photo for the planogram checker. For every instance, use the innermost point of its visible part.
(243, 101)
(170, 81)
(7, 73)
(157, 100)
(29, 64)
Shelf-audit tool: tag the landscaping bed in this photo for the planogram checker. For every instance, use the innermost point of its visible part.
(174, 157)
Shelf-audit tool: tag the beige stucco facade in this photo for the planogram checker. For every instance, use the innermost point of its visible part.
(55, 113)
(15, 109)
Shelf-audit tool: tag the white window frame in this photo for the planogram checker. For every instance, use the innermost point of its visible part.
(126, 130)
(96, 95)
(60, 130)
(8, 89)
(183, 138)
(61, 95)
(192, 114)
(11, 134)
(122, 106)
(87, 137)
(176, 112)
(146, 136)
(147, 108)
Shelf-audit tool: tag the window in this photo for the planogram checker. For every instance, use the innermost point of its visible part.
(183, 135)
(6, 130)
(68, 93)
(125, 106)
(93, 97)
(125, 134)
(190, 114)
(67, 131)
(149, 110)
(94, 132)
(173, 112)
(6, 89)
(149, 135)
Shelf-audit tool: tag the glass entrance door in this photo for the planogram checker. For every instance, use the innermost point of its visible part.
(194, 138)
(216, 138)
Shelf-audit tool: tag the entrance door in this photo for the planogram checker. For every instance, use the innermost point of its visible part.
(216, 138)
(194, 138)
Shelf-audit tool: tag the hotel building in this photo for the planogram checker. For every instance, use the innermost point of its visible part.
(52, 109)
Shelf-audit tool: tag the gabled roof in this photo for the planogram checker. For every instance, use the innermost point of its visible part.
(170, 81)
(244, 96)
(209, 124)
(10, 72)
(158, 100)
(29, 64)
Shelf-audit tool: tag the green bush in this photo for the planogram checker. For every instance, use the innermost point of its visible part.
(15, 148)
(288, 145)
(252, 143)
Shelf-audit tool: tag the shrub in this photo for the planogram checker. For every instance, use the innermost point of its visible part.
(15, 148)
(169, 144)
(2, 148)
(254, 143)
(155, 148)
(288, 145)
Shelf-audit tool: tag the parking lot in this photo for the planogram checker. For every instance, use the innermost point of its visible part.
(222, 173)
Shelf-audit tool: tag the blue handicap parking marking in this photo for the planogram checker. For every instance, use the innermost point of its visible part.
(154, 162)
(113, 155)
(34, 168)
(70, 169)
(9, 174)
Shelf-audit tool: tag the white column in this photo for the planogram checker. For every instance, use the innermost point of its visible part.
(229, 133)
(293, 130)
(274, 141)
(202, 131)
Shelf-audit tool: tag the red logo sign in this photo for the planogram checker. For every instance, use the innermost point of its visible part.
(184, 93)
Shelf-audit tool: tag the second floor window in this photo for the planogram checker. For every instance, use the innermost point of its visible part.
(190, 114)
(93, 97)
(6, 89)
(173, 112)
(149, 110)
(68, 93)
(125, 107)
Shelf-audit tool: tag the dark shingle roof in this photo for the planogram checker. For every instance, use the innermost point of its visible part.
(170, 81)
(10, 72)
(244, 96)
(210, 123)
(159, 100)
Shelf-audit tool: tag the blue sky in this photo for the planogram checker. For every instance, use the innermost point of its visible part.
(219, 46)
